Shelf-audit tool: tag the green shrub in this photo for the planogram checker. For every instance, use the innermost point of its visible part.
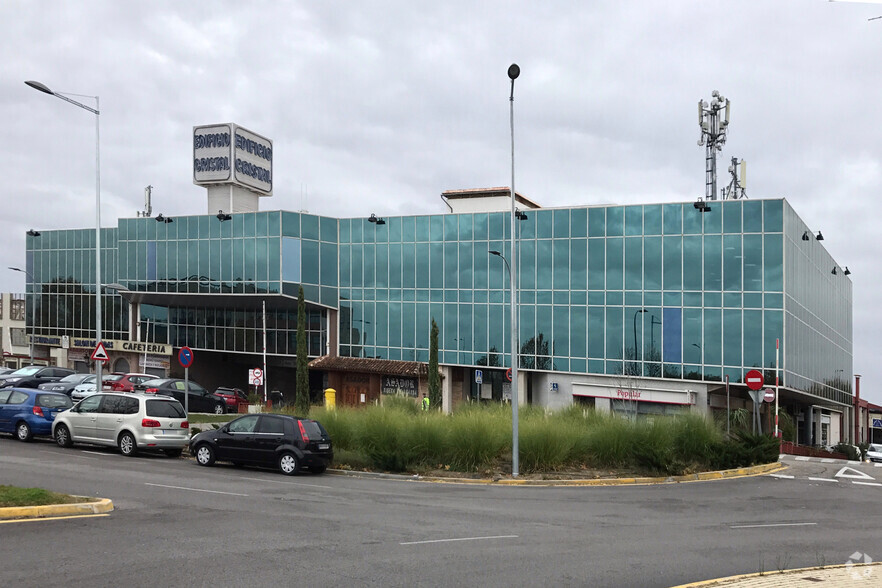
(853, 453)
(546, 442)
(476, 437)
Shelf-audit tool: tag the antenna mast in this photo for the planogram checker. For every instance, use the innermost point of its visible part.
(738, 185)
(713, 119)
(148, 207)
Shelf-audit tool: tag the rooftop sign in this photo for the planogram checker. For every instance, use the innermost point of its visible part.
(229, 154)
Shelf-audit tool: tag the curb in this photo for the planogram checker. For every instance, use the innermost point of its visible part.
(744, 578)
(699, 477)
(99, 506)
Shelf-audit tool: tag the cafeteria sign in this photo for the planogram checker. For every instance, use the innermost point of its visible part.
(399, 386)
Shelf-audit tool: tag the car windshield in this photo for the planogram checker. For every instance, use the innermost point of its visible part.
(53, 401)
(112, 377)
(164, 408)
(154, 383)
(313, 429)
(73, 378)
(26, 371)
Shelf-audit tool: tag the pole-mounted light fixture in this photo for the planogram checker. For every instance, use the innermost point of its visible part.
(376, 220)
(806, 236)
(96, 111)
(223, 217)
(164, 219)
(820, 237)
(847, 272)
(833, 271)
(33, 233)
(513, 72)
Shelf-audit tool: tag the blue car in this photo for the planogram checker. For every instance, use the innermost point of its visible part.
(26, 412)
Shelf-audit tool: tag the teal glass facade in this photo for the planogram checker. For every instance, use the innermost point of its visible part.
(656, 290)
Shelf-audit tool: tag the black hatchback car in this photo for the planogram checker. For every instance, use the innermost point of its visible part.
(269, 440)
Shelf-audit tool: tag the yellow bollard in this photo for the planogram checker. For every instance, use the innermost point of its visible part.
(330, 399)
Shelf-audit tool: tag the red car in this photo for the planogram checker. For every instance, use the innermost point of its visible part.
(234, 397)
(126, 382)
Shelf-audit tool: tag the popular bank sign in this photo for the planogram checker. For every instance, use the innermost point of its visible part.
(228, 154)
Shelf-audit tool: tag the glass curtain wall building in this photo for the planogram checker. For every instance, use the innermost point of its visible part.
(656, 292)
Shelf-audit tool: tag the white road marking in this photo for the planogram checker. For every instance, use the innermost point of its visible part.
(95, 452)
(866, 483)
(827, 460)
(785, 476)
(195, 489)
(772, 525)
(290, 483)
(802, 458)
(848, 472)
(459, 539)
(823, 480)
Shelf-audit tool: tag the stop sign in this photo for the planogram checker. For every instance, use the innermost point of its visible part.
(769, 396)
(754, 379)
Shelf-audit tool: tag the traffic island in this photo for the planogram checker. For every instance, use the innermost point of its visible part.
(744, 472)
(33, 503)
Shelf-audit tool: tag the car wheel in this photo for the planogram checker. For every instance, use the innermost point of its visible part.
(127, 444)
(23, 431)
(218, 408)
(62, 436)
(204, 455)
(318, 469)
(173, 452)
(288, 464)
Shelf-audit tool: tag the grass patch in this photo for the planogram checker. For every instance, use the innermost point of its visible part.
(15, 496)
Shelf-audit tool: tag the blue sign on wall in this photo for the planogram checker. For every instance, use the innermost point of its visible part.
(877, 423)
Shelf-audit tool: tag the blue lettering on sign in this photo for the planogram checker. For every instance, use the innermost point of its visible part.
(210, 140)
(254, 148)
(209, 164)
(258, 173)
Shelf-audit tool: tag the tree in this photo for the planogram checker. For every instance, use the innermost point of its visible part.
(302, 401)
(434, 376)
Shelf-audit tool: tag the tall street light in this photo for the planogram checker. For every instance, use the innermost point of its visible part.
(513, 72)
(27, 306)
(43, 88)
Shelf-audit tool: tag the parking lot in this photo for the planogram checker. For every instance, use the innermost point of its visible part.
(176, 522)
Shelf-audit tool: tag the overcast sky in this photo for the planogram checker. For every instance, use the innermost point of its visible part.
(381, 106)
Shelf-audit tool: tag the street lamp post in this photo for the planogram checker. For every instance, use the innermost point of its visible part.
(27, 307)
(514, 471)
(43, 88)
(513, 72)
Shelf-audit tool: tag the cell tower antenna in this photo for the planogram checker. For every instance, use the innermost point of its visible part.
(713, 118)
(148, 207)
(737, 187)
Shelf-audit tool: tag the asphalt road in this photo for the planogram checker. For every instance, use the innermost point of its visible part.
(180, 524)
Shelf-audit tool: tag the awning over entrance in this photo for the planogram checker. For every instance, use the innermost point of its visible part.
(364, 365)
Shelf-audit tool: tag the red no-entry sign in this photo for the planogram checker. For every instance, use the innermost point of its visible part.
(754, 379)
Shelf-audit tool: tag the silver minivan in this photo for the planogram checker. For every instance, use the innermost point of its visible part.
(129, 421)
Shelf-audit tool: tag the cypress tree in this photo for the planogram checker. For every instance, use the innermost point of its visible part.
(434, 376)
(302, 401)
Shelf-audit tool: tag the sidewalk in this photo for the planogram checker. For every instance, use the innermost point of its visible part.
(848, 575)
(95, 507)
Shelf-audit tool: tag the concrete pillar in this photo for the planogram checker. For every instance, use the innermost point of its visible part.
(446, 389)
(602, 405)
(522, 388)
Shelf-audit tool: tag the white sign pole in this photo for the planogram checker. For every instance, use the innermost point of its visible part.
(187, 391)
(777, 356)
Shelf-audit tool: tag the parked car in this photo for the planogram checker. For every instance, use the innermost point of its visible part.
(26, 412)
(4, 371)
(127, 382)
(65, 385)
(33, 375)
(234, 398)
(199, 399)
(132, 422)
(87, 386)
(269, 440)
(874, 452)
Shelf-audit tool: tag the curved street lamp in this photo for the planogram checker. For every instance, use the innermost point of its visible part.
(43, 88)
